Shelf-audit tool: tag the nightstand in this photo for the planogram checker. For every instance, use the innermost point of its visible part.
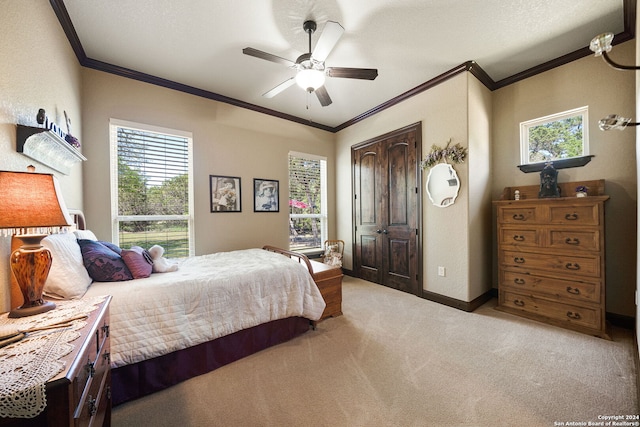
(81, 394)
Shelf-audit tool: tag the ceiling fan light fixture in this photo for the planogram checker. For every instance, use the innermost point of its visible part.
(310, 79)
(601, 43)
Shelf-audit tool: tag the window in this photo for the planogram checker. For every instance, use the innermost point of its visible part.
(151, 188)
(307, 201)
(556, 137)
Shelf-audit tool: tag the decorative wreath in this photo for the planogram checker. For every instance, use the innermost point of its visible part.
(450, 153)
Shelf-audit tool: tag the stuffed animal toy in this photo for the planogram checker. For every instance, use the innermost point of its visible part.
(160, 263)
(332, 256)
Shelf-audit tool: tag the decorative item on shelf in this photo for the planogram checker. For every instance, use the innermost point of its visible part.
(516, 195)
(68, 137)
(31, 207)
(549, 182)
(454, 154)
(582, 191)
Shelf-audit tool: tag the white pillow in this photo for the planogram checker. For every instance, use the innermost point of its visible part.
(68, 278)
(85, 234)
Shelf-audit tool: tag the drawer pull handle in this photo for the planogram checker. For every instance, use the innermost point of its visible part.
(574, 316)
(572, 241)
(572, 266)
(107, 357)
(518, 302)
(90, 369)
(518, 217)
(93, 408)
(518, 238)
(571, 217)
(518, 281)
(574, 291)
(518, 260)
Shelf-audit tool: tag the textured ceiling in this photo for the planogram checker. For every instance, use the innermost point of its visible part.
(198, 43)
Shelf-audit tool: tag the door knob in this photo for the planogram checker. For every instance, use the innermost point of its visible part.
(385, 231)
(378, 231)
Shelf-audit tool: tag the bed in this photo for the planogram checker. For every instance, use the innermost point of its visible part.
(213, 310)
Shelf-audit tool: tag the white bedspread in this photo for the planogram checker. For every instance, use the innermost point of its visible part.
(208, 297)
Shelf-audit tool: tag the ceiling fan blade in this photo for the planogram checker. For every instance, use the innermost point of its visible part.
(323, 96)
(282, 86)
(352, 73)
(330, 35)
(267, 56)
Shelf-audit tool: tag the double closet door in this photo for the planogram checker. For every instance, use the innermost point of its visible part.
(387, 209)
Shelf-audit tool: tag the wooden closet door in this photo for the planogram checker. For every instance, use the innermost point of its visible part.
(387, 210)
(369, 217)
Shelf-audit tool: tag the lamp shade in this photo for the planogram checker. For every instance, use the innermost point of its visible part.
(31, 203)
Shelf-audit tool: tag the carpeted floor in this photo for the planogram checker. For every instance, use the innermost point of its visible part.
(394, 359)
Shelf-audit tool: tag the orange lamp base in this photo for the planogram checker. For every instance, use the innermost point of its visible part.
(30, 265)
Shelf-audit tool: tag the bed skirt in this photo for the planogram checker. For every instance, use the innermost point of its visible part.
(149, 376)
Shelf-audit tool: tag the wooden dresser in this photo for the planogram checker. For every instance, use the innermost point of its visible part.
(80, 395)
(329, 281)
(551, 257)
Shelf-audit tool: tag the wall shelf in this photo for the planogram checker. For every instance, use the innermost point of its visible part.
(47, 148)
(574, 162)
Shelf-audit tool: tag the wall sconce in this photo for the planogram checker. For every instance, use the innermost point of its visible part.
(601, 44)
(31, 207)
(614, 121)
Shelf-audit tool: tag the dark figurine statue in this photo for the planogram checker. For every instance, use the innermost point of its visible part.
(549, 182)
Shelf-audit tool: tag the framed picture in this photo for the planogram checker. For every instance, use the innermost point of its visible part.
(265, 195)
(225, 193)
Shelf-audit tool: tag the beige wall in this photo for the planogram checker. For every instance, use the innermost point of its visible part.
(447, 239)
(226, 141)
(38, 69)
(588, 81)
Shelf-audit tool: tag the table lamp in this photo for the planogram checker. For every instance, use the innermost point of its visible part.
(31, 207)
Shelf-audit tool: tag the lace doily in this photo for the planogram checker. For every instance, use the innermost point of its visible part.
(25, 366)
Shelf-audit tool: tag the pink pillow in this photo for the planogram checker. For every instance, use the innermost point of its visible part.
(137, 261)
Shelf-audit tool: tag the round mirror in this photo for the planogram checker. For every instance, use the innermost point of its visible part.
(443, 185)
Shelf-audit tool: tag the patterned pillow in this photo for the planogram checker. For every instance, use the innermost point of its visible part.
(102, 263)
(115, 248)
(138, 261)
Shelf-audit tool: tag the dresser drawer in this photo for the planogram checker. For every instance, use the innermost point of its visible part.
(575, 240)
(558, 288)
(95, 396)
(93, 377)
(520, 214)
(520, 237)
(574, 214)
(565, 264)
(571, 314)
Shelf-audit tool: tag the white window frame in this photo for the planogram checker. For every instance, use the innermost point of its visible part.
(324, 227)
(114, 124)
(525, 126)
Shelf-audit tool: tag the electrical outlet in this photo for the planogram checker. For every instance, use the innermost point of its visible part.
(441, 271)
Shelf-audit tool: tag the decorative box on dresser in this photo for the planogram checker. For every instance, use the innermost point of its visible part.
(551, 256)
(80, 395)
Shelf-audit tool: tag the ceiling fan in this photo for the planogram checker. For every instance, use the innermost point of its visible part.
(310, 66)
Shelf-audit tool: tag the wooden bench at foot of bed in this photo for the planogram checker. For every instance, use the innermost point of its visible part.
(327, 277)
(329, 281)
